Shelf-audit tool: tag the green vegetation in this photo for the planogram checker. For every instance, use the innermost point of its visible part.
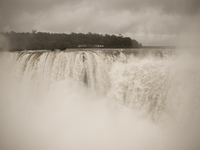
(51, 41)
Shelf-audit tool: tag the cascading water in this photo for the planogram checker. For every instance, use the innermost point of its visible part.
(97, 100)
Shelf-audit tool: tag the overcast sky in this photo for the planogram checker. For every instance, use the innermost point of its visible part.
(151, 22)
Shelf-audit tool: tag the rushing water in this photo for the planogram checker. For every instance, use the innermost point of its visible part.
(106, 100)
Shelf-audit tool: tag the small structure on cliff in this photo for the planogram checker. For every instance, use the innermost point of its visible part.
(90, 46)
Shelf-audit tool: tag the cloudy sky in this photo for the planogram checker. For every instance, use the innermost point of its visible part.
(151, 22)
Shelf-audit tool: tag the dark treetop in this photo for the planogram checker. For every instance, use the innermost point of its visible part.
(51, 41)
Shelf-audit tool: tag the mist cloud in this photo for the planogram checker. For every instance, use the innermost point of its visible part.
(152, 22)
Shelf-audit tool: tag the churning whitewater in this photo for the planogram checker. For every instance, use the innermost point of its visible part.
(78, 100)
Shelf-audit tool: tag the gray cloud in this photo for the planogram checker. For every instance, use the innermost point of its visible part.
(152, 22)
(185, 7)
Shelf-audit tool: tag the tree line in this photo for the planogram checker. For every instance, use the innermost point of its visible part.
(41, 40)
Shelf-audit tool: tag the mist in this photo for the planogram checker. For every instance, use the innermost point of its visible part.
(4, 43)
(72, 121)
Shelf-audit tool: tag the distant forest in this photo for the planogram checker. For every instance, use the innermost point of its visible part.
(50, 41)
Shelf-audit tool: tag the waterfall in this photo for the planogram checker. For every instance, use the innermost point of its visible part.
(91, 84)
(142, 83)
